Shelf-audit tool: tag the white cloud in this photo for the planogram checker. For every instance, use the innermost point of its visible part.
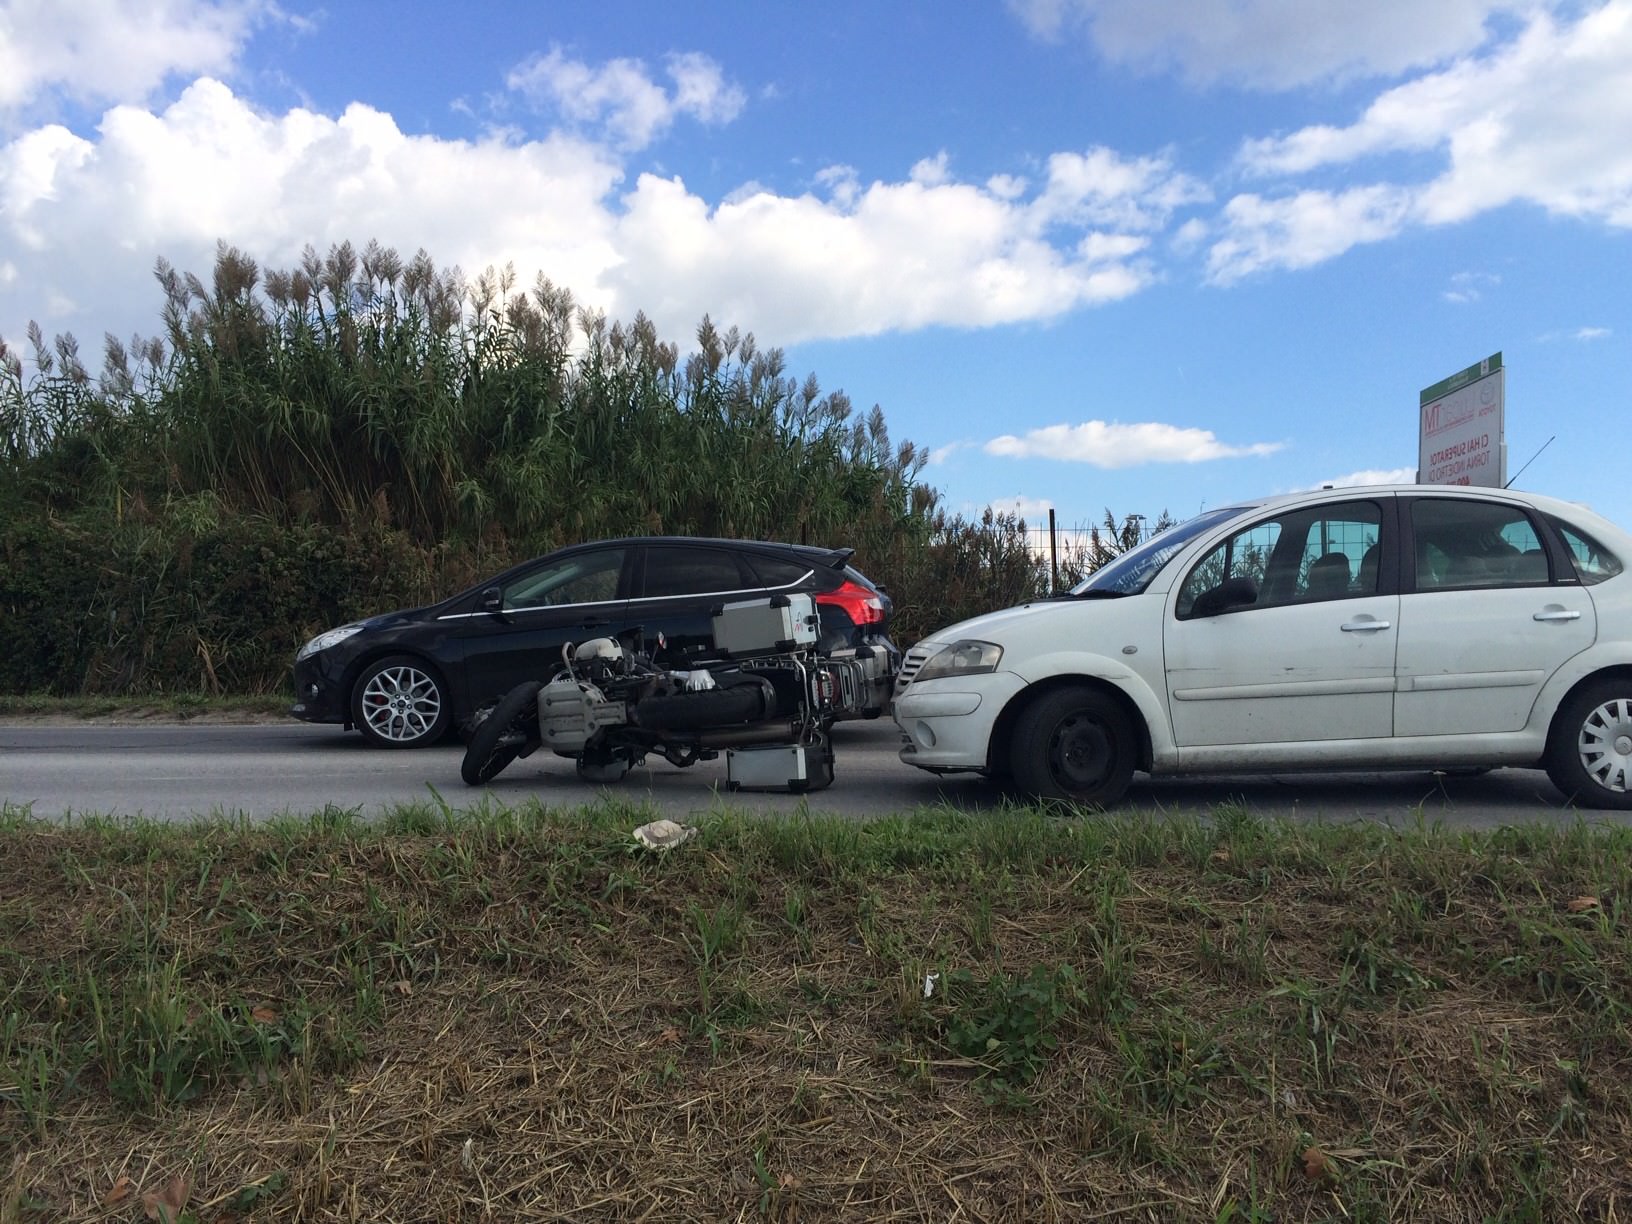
(1542, 120)
(1274, 44)
(85, 219)
(1531, 108)
(1102, 188)
(1581, 335)
(1300, 230)
(937, 455)
(857, 259)
(620, 99)
(1032, 509)
(1006, 186)
(1115, 445)
(841, 183)
(1190, 235)
(932, 171)
(115, 50)
(1469, 286)
(701, 91)
(887, 256)
(1370, 476)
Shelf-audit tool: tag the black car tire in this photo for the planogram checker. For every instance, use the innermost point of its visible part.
(401, 701)
(509, 732)
(1076, 745)
(1589, 753)
(747, 700)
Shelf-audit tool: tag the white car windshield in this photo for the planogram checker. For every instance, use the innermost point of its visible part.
(1134, 570)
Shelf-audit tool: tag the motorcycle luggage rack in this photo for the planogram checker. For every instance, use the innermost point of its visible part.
(829, 686)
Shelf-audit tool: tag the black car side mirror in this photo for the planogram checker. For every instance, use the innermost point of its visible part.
(492, 600)
(1231, 593)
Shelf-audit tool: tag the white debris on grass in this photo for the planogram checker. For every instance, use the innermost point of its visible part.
(663, 834)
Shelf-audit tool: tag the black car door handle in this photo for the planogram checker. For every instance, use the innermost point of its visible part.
(593, 622)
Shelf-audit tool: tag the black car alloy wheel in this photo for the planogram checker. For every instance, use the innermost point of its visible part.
(400, 702)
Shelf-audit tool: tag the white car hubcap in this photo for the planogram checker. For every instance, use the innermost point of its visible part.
(1605, 745)
(401, 704)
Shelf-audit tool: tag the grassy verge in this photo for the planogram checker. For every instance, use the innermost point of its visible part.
(518, 1014)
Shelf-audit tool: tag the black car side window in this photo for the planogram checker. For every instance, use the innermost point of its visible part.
(584, 578)
(693, 571)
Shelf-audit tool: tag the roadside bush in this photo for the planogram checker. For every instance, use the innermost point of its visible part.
(140, 609)
(362, 432)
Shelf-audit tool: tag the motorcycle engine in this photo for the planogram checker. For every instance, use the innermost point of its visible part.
(571, 711)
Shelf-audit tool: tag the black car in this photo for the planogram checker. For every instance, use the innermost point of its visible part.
(405, 678)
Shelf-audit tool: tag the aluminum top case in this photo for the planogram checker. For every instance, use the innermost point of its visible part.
(776, 625)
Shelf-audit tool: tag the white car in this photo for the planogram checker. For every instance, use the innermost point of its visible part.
(1366, 628)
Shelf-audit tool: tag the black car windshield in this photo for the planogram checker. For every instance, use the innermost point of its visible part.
(1134, 570)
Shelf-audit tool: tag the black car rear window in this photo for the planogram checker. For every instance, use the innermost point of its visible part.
(777, 571)
(693, 571)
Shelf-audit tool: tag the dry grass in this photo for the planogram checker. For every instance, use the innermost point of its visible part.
(516, 1014)
(157, 707)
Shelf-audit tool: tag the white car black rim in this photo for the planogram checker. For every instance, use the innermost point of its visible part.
(1604, 745)
(1081, 753)
(401, 704)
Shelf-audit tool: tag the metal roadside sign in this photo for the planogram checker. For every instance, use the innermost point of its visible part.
(1462, 423)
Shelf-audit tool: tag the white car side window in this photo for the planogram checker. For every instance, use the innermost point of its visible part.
(1320, 553)
(1462, 544)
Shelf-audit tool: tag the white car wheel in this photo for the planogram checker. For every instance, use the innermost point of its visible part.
(1590, 758)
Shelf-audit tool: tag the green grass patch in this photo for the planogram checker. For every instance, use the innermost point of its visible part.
(519, 1013)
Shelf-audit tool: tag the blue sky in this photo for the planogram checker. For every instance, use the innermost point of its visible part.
(1141, 255)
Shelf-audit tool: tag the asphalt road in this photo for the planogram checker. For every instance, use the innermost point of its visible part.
(172, 772)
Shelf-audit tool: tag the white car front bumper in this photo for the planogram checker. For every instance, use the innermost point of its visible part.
(946, 725)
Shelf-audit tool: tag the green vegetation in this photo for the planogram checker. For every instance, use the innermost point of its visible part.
(518, 1013)
(361, 432)
(176, 707)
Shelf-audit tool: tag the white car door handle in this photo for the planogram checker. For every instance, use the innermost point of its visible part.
(1364, 626)
(1553, 614)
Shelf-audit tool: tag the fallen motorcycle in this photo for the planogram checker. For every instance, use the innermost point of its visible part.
(763, 696)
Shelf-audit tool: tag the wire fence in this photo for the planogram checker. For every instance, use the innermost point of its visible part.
(1075, 550)
(1063, 538)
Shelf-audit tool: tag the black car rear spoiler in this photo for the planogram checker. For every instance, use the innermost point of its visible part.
(838, 558)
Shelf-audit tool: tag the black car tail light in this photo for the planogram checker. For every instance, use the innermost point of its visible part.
(860, 605)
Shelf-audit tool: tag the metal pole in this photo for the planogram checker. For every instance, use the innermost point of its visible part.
(1053, 556)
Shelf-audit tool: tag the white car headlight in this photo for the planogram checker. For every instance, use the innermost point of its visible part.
(965, 658)
(324, 640)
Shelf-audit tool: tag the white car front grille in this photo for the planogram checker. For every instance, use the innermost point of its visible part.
(916, 658)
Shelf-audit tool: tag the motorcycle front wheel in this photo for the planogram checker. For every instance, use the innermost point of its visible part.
(510, 731)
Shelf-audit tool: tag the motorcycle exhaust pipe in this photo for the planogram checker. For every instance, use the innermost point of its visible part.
(758, 733)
